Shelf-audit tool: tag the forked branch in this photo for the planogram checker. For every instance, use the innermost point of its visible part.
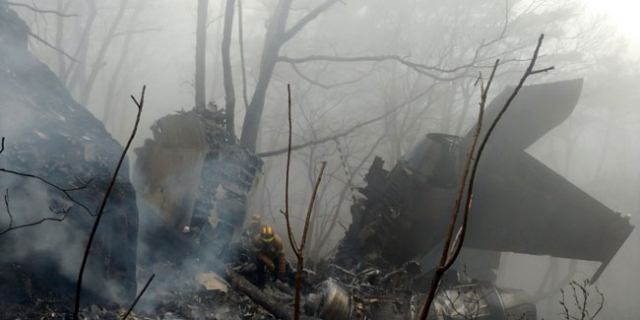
(298, 250)
(449, 255)
(139, 104)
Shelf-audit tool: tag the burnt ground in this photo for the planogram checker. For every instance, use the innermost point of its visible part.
(26, 298)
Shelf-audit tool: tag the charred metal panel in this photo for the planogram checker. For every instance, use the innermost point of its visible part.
(196, 176)
(171, 166)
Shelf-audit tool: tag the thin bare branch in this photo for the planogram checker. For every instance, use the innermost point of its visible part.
(486, 139)
(104, 202)
(419, 68)
(292, 239)
(447, 260)
(34, 9)
(11, 227)
(35, 36)
(138, 297)
(328, 86)
(242, 63)
(444, 258)
(541, 70)
(6, 204)
(311, 202)
(306, 19)
(65, 191)
(347, 131)
(299, 251)
(601, 303)
(138, 31)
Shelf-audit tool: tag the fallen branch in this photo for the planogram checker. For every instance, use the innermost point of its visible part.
(104, 202)
(257, 295)
(138, 297)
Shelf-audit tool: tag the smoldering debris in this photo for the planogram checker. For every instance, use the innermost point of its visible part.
(194, 179)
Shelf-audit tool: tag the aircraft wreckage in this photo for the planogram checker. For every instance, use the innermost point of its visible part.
(402, 214)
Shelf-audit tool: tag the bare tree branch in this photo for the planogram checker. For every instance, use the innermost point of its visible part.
(345, 132)
(138, 297)
(34, 9)
(580, 302)
(486, 138)
(11, 227)
(33, 35)
(65, 191)
(419, 68)
(229, 92)
(143, 30)
(6, 204)
(242, 64)
(298, 250)
(442, 266)
(306, 19)
(104, 202)
(327, 86)
(448, 259)
(292, 239)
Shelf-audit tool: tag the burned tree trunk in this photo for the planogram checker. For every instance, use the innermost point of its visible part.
(230, 103)
(201, 45)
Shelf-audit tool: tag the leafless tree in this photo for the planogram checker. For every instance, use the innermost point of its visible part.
(580, 295)
(277, 36)
(201, 45)
(230, 103)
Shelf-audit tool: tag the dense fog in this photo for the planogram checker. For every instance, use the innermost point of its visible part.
(368, 78)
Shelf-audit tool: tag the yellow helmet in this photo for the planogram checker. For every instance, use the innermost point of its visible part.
(255, 219)
(267, 234)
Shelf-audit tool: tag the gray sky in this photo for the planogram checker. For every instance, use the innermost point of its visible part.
(624, 14)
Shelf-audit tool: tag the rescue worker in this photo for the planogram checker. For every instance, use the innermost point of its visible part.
(254, 228)
(270, 254)
(256, 225)
(243, 251)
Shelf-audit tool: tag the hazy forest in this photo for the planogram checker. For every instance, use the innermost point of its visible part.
(317, 159)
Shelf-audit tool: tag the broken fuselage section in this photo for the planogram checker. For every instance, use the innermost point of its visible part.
(195, 178)
(520, 205)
